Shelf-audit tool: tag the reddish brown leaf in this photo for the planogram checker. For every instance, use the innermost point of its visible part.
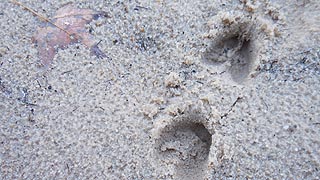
(68, 27)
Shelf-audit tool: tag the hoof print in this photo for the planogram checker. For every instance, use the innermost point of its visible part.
(234, 48)
(186, 144)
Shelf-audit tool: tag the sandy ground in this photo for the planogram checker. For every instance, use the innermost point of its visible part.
(190, 90)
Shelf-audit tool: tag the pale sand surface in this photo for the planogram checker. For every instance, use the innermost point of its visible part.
(190, 90)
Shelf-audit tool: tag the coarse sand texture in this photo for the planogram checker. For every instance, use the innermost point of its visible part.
(176, 89)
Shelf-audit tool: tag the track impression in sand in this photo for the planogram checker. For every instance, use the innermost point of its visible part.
(186, 144)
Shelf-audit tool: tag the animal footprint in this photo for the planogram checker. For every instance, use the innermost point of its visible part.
(235, 48)
(186, 144)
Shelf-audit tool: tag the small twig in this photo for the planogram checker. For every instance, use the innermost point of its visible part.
(235, 102)
(40, 16)
(39, 83)
(65, 72)
(140, 7)
(98, 42)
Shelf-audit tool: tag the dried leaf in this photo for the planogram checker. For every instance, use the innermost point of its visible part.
(66, 27)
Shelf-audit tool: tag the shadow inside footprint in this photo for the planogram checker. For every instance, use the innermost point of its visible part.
(241, 62)
(187, 145)
(234, 49)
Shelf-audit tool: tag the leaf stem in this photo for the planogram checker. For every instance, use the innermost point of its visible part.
(39, 15)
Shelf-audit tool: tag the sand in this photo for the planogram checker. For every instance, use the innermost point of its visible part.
(189, 90)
